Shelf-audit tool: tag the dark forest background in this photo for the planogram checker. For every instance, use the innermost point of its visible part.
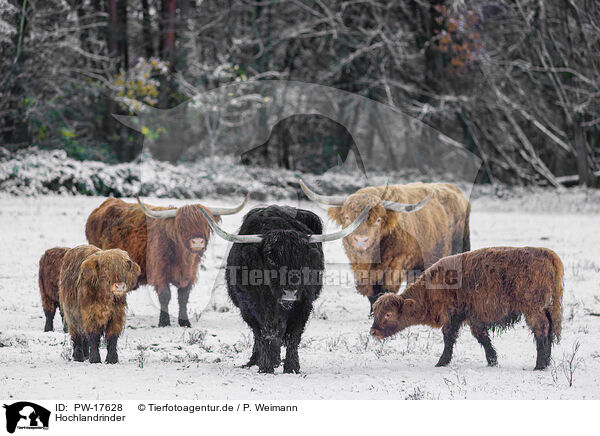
(517, 82)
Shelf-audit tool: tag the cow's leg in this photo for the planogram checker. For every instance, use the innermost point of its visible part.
(183, 295)
(78, 341)
(49, 320)
(111, 347)
(377, 292)
(540, 325)
(64, 321)
(164, 297)
(85, 345)
(254, 357)
(94, 344)
(269, 354)
(295, 327)
(481, 334)
(450, 331)
(253, 323)
(49, 310)
(114, 327)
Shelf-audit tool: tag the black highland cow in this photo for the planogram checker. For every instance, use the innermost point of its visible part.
(274, 274)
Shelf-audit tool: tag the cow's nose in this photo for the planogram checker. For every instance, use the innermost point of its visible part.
(373, 332)
(361, 240)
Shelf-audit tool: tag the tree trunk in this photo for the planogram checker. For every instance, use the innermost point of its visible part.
(147, 29)
(583, 169)
(168, 48)
(122, 35)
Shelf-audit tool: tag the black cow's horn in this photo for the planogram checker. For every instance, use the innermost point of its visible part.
(344, 232)
(240, 239)
(329, 200)
(253, 239)
(401, 207)
(229, 210)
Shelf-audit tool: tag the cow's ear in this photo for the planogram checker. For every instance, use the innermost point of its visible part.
(88, 274)
(335, 213)
(409, 306)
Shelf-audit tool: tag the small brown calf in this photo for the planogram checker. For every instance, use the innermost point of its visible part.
(93, 287)
(50, 264)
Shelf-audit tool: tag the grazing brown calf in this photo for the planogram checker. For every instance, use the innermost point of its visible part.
(488, 289)
(50, 264)
(167, 243)
(409, 228)
(93, 287)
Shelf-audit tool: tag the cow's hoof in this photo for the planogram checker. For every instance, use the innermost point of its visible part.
(266, 370)
(78, 357)
(112, 359)
(164, 320)
(291, 370)
(184, 323)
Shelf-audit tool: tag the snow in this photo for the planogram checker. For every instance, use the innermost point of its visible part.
(338, 359)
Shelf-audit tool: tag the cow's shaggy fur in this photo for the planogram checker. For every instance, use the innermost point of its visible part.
(93, 284)
(49, 273)
(397, 246)
(296, 264)
(162, 247)
(487, 289)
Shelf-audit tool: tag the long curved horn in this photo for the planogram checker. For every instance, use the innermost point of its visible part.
(329, 200)
(401, 207)
(239, 239)
(344, 232)
(253, 239)
(169, 213)
(229, 210)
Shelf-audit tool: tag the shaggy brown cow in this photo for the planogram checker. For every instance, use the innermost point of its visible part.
(488, 289)
(393, 245)
(167, 243)
(93, 288)
(50, 264)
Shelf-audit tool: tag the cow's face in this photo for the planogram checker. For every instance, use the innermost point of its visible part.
(111, 270)
(369, 233)
(192, 229)
(391, 314)
(296, 262)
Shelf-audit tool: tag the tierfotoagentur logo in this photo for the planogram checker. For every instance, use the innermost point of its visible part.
(26, 415)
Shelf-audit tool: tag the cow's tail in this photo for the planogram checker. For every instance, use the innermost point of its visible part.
(555, 309)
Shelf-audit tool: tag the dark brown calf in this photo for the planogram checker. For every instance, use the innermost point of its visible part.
(50, 264)
(488, 289)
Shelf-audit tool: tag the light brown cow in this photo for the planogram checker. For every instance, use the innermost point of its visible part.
(409, 228)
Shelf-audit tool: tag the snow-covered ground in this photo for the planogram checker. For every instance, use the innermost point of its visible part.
(338, 359)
